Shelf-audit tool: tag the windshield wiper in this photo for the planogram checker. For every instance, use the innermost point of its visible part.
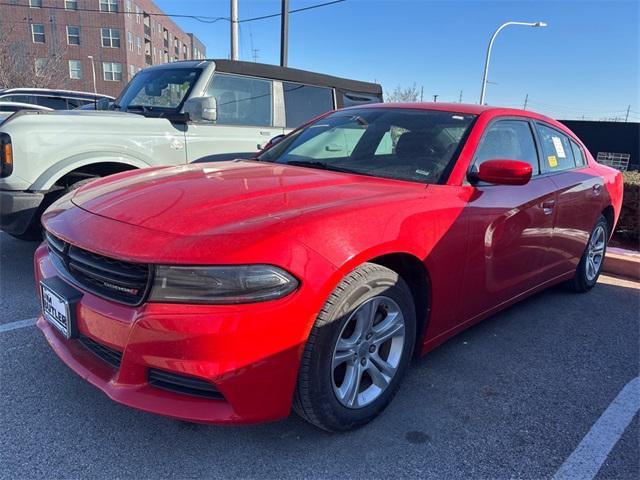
(322, 165)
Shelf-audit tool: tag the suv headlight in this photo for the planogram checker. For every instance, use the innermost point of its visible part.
(221, 284)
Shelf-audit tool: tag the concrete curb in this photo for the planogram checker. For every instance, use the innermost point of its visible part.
(625, 263)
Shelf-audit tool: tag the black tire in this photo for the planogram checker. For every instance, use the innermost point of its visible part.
(315, 399)
(34, 230)
(583, 281)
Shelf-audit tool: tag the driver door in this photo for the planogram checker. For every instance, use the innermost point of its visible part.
(245, 119)
(510, 227)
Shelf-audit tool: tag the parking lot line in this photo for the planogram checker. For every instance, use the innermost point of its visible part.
(591, 453)
(7, 327)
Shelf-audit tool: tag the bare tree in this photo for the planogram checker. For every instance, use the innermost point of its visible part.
(21, 68)
(403, 94)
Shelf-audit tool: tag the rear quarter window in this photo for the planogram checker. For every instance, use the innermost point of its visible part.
(557, 154)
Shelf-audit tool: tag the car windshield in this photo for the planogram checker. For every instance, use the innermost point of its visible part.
(158, 91)
(403, 144)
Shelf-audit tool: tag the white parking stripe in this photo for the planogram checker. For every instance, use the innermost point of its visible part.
(7, 327)
(591, 453)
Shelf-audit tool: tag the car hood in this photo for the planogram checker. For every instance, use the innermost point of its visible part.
(224, 197)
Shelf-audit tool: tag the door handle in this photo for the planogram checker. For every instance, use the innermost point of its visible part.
(547, 206)
(597, 188)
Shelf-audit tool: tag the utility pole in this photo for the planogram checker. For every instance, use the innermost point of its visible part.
(421, 93)
(234, 29)
(526, 100)
(435, 98)
(626, 118)
(460, 97)
(284, 33)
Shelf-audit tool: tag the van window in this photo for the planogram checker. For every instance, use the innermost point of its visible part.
(242, 100)
(350, 99)
(303, 102)
(556, 150)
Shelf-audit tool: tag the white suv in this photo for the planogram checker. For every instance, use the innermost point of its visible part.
(169, 114)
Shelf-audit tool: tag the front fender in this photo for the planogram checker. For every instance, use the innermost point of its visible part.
(55, 172)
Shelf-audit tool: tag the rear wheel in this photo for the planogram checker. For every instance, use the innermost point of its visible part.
(592, 260)
(358, 350)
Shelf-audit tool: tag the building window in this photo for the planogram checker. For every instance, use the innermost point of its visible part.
(110, 6)
(130, 41)
(128, 8)
(138, 14)
(75, 69)
(110, 37)
(35, 3)
(73, 35)
(132, 71)
(37, 33)
(112, 72)
(40, 66)
(138, 45)
(71, 4)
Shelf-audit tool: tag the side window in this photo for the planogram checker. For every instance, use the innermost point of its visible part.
(578, 154)
(556, 150)
(17, 98)
(242, 100)
(55, 103)
(508, 140)
(303, 102)
(389, 140)
(350, 99)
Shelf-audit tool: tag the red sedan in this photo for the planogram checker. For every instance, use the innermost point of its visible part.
(309, 277)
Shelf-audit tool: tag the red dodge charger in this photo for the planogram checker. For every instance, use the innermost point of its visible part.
(311, 275)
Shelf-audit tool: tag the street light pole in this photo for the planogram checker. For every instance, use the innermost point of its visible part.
(284, 34)
(234, 29)
(95, 90)
(488, 59)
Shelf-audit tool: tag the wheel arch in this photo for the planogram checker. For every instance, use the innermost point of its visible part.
(414, 272)
(609, 214)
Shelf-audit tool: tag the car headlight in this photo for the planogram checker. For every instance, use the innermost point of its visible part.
(220, 284)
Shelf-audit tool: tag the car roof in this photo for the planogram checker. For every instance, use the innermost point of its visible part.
(24, 105)
(463, 108)
(52, 91)
(277, 72)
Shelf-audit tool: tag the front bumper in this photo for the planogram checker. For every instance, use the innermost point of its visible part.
(18, 209)
(250, 353)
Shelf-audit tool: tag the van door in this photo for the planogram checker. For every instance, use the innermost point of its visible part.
(245, 119)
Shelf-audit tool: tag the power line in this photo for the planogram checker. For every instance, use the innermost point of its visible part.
(199, 18)
(296, 10)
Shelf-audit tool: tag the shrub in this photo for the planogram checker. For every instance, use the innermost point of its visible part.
(629, 222)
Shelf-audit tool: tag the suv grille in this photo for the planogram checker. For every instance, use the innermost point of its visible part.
(122, 282)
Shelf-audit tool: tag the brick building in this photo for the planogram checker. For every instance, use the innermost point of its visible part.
(122, 36)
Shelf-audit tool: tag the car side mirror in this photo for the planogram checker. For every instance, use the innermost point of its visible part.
(274, 141)
(201, 109)
(503, 172)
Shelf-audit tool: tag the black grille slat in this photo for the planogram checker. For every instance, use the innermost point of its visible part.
(108, 355)
(117, 280)
(183, 384)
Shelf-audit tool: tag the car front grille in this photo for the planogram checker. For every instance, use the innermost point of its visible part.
(122, 282)
(109, 355)
(183, 384)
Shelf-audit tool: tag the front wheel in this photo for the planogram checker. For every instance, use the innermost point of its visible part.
(358, 350)
(592, 260)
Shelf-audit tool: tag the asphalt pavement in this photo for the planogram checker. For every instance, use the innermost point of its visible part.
(521, 395)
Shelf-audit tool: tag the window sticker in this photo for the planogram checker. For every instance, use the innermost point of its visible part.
(557, 143)
(552, 160)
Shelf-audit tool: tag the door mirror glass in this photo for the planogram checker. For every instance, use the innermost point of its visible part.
(274, 141)
(504, 172)
(201, 109)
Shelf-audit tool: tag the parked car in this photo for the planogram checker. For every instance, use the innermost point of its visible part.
(17, 106)
(226, 292)
(51, 98)
(169, 114)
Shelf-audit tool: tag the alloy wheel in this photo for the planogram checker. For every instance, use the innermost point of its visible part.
(595, 252)
(368, 352)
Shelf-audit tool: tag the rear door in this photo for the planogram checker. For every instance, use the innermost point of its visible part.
(510, 227)
(246, 118)
(580, 196)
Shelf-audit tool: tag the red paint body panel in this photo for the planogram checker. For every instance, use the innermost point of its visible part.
(483, 246)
